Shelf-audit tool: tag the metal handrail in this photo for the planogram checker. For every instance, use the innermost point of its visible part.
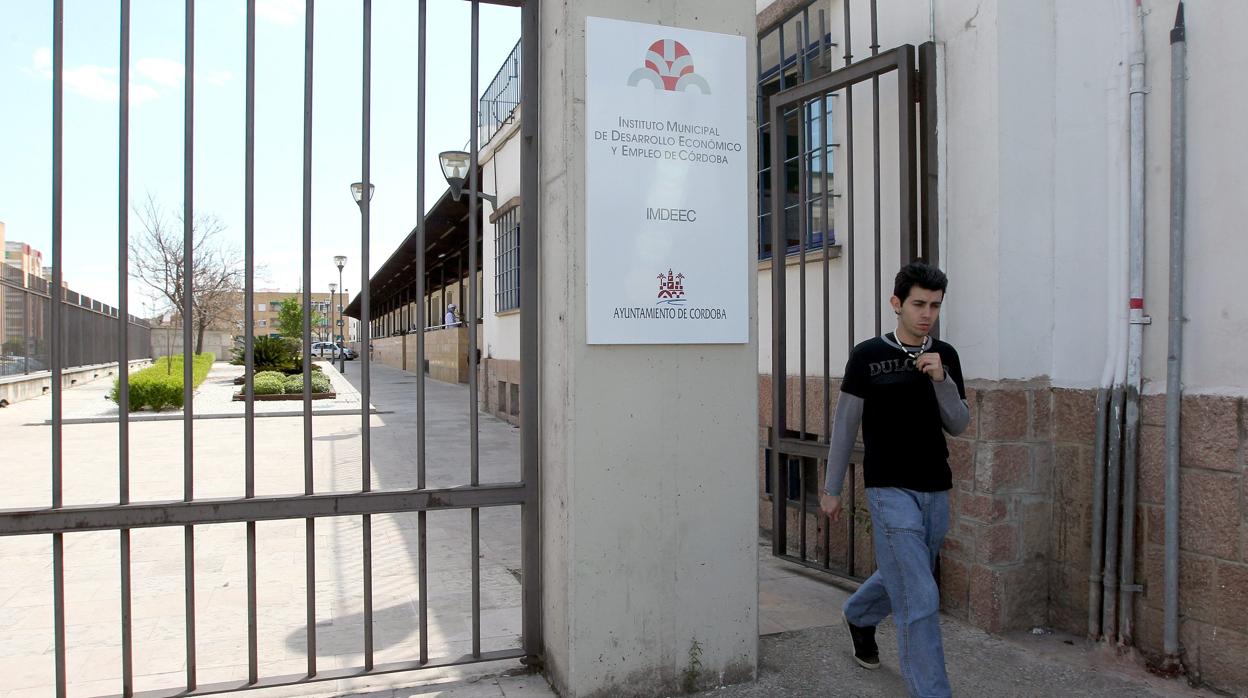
(501, 99)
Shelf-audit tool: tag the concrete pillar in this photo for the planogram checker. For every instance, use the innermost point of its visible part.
(648, 452)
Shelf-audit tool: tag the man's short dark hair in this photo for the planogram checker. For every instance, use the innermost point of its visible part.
(919, 274)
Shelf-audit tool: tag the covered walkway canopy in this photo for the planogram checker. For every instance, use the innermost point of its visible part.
(392, 290)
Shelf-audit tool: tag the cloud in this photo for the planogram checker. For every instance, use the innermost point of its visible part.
(285, 12)
(161, 71)
(151, 78)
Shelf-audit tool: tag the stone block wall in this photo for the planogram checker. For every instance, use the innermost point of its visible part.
(1017, 553)
(498, 389)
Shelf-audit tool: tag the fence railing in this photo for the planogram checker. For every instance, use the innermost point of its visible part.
(88, 327)
(500, 99)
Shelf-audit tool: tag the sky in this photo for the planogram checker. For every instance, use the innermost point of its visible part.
(91, 102)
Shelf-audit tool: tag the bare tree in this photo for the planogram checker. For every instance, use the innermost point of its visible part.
(158, 261)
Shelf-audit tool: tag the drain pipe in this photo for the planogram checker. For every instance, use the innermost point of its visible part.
(1174, 386)
(1109, 396)
(1135, 342)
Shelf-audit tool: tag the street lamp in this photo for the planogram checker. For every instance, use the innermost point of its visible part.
(332, 288)
(455, 164)
(341, 261)
(357, 192)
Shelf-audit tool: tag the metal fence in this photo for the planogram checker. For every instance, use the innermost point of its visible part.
(89, 328)
(193, 512)
(501, 98)
(799, 89)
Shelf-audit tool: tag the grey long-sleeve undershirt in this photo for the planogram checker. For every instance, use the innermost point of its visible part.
(955, 415)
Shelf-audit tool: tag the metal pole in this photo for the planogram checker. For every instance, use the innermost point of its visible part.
(1135, 344)
(779, 506)
(309, 524)
(365, 433)
(123, 344)
(57, 293)
(530, 327)
(1095, 567)
(422, 519)
(1174, 364)
(188, 355)
(875, 148)
(474, 203)
(850, 331)
(249, 237)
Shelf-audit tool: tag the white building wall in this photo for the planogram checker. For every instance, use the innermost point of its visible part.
(1033, 148)
(500, 176)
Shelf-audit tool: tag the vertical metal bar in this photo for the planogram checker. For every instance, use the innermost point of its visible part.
(530, 317)
(929, 160)
(249, 423)
(365, 434)
(850, 332)
(907, 155)
(123, 342)
(875, 149)
(779, 488)
(803, 238)
(307, 248)
(309, 524)
(56, 292)
(58, 542)
(474, 203)
(825, 161)
(422, 522)
(188, 362)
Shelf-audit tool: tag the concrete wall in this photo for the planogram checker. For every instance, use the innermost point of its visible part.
(166, 341)
(649, 525)
(24, 387)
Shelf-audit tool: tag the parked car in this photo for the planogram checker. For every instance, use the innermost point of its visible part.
(332, 349)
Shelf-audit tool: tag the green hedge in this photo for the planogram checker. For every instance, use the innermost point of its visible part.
(276, 383)
(160, 385)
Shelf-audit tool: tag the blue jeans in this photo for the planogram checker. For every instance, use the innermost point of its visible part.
(908, 528)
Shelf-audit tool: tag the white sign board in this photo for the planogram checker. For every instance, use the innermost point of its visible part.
(667, 239)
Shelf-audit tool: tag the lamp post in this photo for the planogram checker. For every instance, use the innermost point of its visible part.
(333, 287)
(340, 261)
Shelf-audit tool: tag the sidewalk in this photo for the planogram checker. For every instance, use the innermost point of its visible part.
(805, 651)
(92, 567)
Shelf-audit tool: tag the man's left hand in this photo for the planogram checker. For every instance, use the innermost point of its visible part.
(929, 363)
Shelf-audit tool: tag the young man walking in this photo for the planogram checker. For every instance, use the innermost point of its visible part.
(905, 390)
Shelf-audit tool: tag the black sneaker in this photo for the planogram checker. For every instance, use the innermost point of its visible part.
(866, 652)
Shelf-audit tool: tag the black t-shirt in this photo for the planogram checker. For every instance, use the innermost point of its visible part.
(902, 434)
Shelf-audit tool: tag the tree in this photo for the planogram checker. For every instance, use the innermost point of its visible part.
(290, 317)
(157, 260)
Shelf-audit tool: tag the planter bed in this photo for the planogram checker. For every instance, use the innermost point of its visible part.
(242, 380)
(238, 397)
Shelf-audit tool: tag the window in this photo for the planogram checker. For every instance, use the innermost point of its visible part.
(261, 308)
(507, 261)
(795, 51)
(263, 323)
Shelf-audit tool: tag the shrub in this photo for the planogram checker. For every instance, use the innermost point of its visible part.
(321, 384)
(293, 384)
(160, 385)
(268, 384)
(270, 354)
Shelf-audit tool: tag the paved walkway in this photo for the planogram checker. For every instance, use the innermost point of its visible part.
(92, 559)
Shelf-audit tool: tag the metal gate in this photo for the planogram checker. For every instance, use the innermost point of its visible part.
(57, 521)
(808, 134)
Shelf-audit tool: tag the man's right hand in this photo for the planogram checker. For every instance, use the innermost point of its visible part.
(831, 506)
